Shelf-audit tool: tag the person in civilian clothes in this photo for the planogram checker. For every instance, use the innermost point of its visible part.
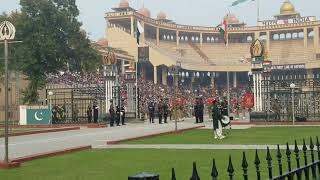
(118, 115)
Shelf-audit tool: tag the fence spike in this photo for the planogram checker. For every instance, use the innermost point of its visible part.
(288, 153)
(257, 163)
(313, 167)
(214, 172)
(279, 156)
(311, 146)
(195, 175)
(269, 161)
(304, 149)
(244, 166)
(173, 177)
(296, 152)
(230, 169)
(318, 150)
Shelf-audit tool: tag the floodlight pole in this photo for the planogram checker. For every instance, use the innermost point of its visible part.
(6, 129)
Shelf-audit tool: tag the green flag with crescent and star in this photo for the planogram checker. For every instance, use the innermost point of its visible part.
(38, 116)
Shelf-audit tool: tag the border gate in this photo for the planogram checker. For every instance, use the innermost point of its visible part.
(277, 99)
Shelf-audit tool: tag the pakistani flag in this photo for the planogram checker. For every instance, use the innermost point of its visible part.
(239, 2)
(223, 29)
(140, 30)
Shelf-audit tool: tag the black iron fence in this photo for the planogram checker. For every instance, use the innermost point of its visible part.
(305, 169)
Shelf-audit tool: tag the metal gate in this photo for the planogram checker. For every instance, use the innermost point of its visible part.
(277, 99)
(70, 105)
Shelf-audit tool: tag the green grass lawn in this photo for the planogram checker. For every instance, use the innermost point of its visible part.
(117, 164)
(19, 130)
(258, 135)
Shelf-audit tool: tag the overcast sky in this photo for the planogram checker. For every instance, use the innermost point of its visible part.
(193, 12)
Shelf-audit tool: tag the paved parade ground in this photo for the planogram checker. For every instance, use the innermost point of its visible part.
(156, 154)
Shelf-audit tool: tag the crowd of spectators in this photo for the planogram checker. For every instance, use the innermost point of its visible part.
(75, 79)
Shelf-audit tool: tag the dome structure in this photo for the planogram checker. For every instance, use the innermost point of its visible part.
(102, 42)
(124, 4)
(287, 8)
(144, 11)
(161, 16)
(231, 19)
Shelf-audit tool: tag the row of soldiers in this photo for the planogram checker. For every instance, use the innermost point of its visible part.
(162, 109)
(117, 114)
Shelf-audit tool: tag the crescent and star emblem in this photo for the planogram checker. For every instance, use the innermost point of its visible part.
(37, 117)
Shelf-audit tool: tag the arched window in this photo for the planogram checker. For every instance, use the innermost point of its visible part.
(217, 39)
(164, 37)
(301, 35)
(249, 39)
(263, 37)
(186, 38)
(192, 38)
(311, 34)
(282, 36)
(171, 37)
(197, 39)
(288, 36)
(182, 38)
(208, 39)
(294, 35)
(168, 37)
(276, 37)
(212, 39)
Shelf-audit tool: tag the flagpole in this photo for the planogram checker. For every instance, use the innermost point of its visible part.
(258, 11)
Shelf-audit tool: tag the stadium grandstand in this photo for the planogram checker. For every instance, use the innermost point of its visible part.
(291, 42)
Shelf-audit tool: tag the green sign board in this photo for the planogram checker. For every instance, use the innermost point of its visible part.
(38, 116)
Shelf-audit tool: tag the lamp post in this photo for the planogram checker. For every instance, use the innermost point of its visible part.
(50, 93)
(292, 86)
(7, 33)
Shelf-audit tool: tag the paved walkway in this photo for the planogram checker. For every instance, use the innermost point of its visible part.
(42, 143)
(193, 146)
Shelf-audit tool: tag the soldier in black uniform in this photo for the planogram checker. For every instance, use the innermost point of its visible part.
(197, 110)
(95, 113)
(165, 112)
(201, 109)
(160, 111)
(89, 114)
(151, 108)
(123, 114)
(112, 113)
(118, 115)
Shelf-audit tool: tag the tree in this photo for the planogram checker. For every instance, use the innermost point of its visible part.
(51, 38)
